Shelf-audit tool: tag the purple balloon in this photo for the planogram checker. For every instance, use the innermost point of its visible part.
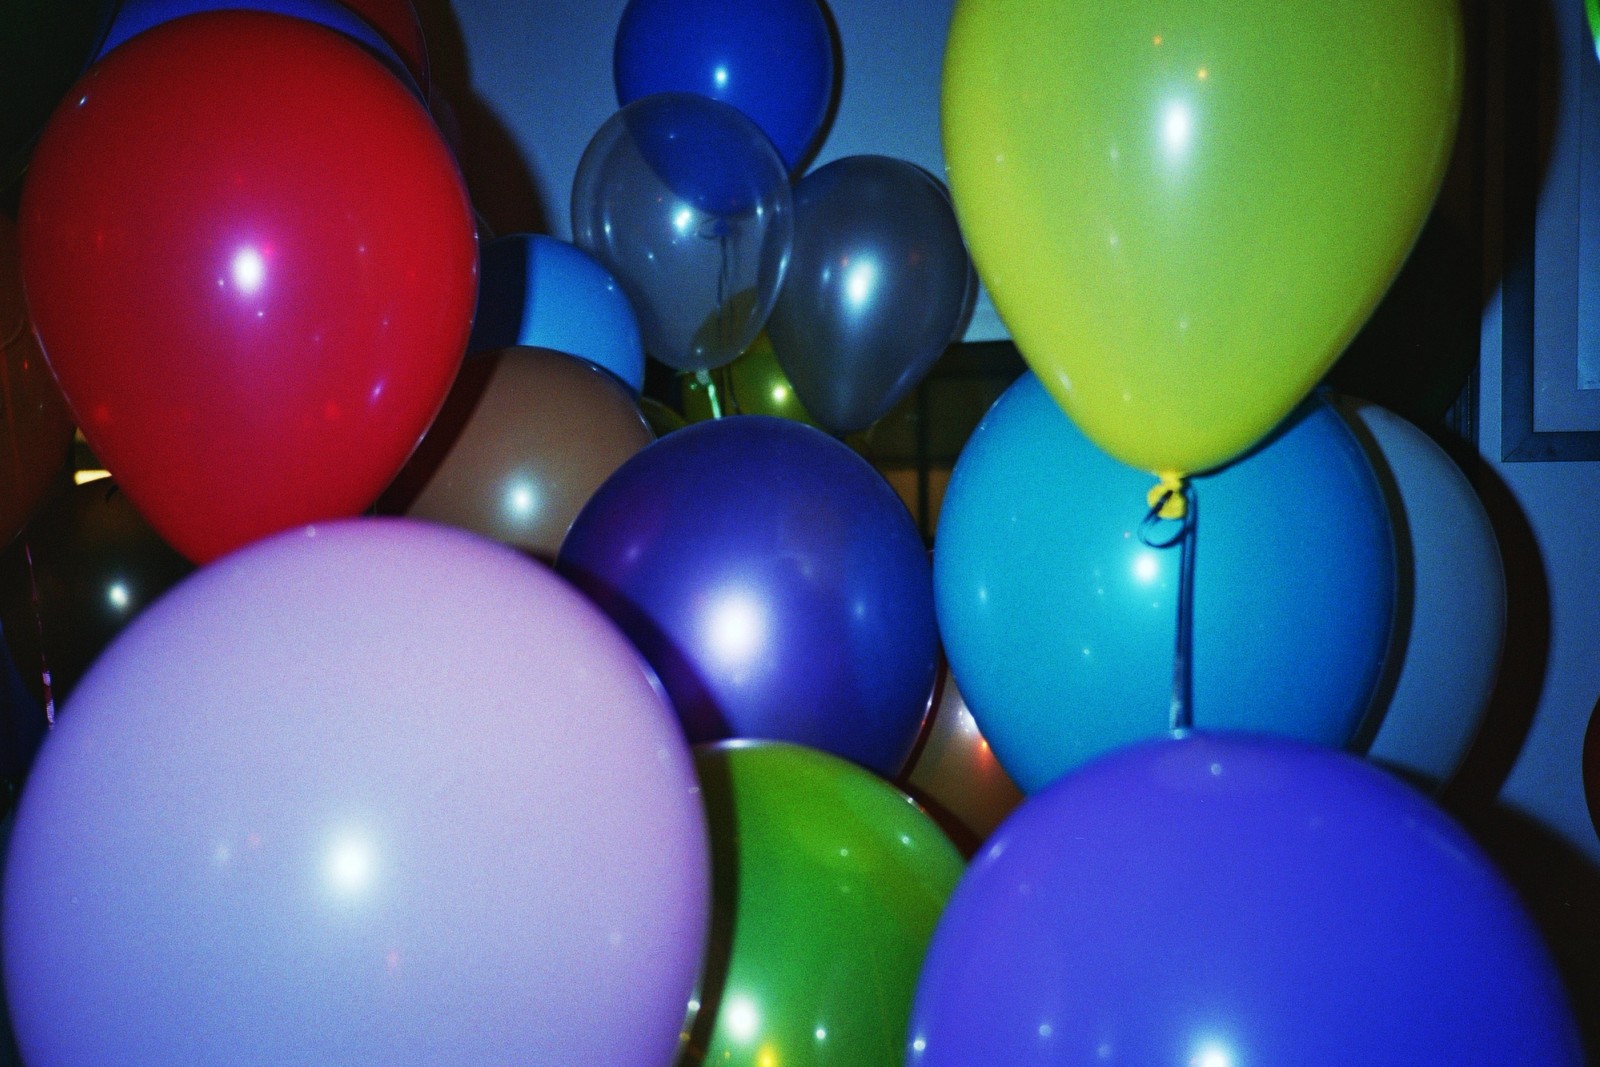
(367, 792)
(1224, 900)
(774, 580)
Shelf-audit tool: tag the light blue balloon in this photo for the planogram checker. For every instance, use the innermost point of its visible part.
(1059, 621)
(538, 291)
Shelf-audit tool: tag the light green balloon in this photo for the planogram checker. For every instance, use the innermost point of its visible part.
(828, 883)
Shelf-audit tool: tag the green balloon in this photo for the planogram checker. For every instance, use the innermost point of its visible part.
(827, 885)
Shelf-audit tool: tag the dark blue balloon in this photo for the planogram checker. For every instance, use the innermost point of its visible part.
(1233, 900)
(1059, 621)
(774, 581)
(771, 59)
(135, 16)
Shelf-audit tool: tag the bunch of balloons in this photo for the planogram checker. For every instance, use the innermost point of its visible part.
(385, 790)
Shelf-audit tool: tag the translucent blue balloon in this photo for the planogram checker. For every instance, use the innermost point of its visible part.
(1224, 901)
(687, 204)
(1059, 620)
(774, 581)
(135, 16)
(771, 59)
(539, 292)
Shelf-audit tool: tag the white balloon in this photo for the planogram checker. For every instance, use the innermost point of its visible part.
(1450, 620)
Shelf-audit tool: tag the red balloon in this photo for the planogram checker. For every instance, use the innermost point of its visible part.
(397, 22)
(252, 266)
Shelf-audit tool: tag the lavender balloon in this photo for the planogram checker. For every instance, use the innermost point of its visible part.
(774, 580)
(371, 792)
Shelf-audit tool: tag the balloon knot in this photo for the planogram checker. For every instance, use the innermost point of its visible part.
(1166, 497)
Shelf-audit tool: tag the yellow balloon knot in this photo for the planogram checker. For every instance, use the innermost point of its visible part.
(1167, 496)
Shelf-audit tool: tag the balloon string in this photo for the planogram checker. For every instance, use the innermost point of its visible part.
(709, 384)
(1175, 500)
(27, 549)
(724, 278)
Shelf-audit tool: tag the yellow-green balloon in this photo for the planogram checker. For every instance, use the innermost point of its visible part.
(1184, 209)
(827, 883)
(757, 385)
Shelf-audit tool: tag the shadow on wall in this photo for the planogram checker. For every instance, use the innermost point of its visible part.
(1527, 650)
(503, 187)
(1561, 890)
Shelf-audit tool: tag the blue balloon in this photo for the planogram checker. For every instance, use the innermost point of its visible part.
(687, 204)
(544, 293)
(1059, 621)
(771, 59)
(774, 581)
(135, 16)
(1222, 901)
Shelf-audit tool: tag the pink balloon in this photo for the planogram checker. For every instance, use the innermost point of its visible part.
(373, 791)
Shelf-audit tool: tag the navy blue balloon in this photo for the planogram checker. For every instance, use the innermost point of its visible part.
(538, 292)
(1059, 621)
(774, 581)
(771, 59)
(1229, 901)
(135, 16)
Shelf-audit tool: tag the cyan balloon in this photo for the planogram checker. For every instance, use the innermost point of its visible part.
(685, 201)
(1223, 901)
(876, 288)
(771, 59)
(538, 292)
(1059, 621)
(1451, 618)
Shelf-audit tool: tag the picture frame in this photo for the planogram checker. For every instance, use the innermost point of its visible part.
(1550, 289)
